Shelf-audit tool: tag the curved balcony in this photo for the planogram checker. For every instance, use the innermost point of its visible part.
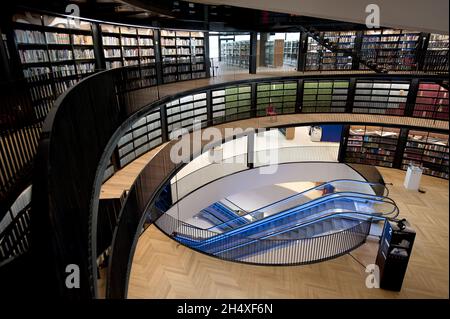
(89, 120)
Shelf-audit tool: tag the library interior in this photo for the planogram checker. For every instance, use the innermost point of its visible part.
(209, 149)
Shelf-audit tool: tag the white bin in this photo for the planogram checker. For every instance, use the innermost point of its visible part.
(412, 178)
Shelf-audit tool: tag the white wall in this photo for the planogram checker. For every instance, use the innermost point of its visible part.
(214, 47)
(251, 179)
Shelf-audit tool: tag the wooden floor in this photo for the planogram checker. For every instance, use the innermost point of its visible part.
(164, 269)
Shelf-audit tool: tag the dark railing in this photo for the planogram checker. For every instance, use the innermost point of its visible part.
(275, 251)
(15, 238)
(25, 105)
(78, 140)
(27, 102)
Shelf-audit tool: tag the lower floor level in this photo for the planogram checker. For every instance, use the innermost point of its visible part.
(162, 268)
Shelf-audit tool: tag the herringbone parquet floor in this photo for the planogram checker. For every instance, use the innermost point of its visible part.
(164, 269)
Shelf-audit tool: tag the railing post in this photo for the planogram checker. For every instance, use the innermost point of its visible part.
(411, 99)
(209, 111)
(253, 48)
(299, 99)
(207, 62)
(99, 54)
(164, 125)
(356, 56)
(251, 150)
(343, 143)
(158, 57)
(422, 47)
(115, 159)
(254, 99)
(302, 51)
(401, 144)
(350, 95)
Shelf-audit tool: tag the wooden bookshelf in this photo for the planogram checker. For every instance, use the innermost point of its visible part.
(324, 96)
(394, 50)
(141, 137)
(428, 150)
(231, 103)
(236, 53)
(49, 44)
(320, 58)
(290, 53)
(281, 95)
(381, 97)
(437, 54)
(274, 53)
(183, 55)
(374, 145)
(130, 46)
(431, 101)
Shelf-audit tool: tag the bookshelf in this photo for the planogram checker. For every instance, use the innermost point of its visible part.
(274, 53)
(112, 46)
(343, 39)
(313, 55)
(231, 103)
(290, 54)
(320, 58)
(235, 53)
(437, 54)
(380, 97)
(325, 95)
(54, 54)
(143, 135)
(373, 145)
(394, 50)
(53, 45)
(281, 95)
(428, 150)
(187, 111)
(338, 61)
(183, 55)
(431, 101)
(130, 46)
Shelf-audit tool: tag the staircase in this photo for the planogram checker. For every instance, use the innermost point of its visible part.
(334, 47)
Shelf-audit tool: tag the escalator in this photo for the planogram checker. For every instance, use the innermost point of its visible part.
(221, 215)
(297, 217)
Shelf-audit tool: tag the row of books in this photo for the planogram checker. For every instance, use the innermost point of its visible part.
(107, 40)
(33, 56)
(84, 54)
(112, 53)
(147, 52)
(57, 38)
(29, 37)
(130, 53)
(129, 41)
(166, 41)
(145, 41)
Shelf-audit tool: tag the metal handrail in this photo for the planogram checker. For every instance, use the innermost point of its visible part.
(14, 239)
(258, 210)
(325, 246)
(208, 234)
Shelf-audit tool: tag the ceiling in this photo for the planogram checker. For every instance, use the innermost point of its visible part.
(183, 14)
(255, 15)
(417, 15)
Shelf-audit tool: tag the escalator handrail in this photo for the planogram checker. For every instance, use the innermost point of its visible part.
(302, 193)
(265, 220)
(322, 218)
(315, 202)
(213, 237)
